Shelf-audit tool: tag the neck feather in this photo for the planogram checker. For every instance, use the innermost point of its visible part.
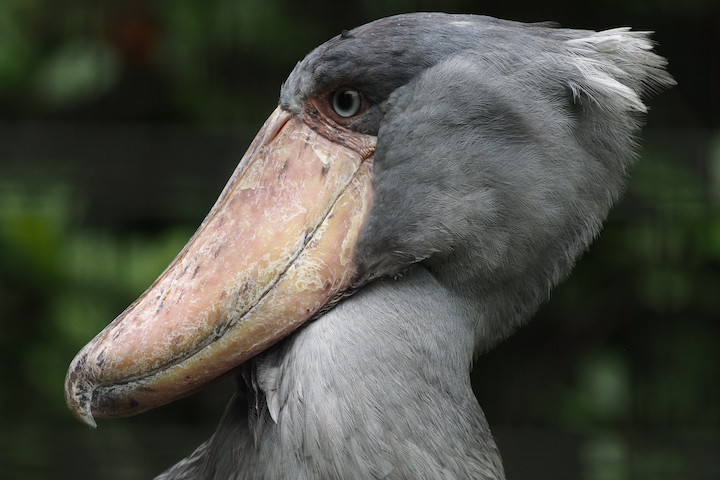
(379, 387)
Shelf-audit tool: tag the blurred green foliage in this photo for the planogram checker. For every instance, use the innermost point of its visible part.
(59, 286)
(626, 355)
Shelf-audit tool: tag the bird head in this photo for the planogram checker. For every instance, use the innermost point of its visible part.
(486, 151)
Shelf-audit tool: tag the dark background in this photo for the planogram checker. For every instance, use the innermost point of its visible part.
(120, 122)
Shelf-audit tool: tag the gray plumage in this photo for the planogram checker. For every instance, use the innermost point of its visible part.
(501, 147)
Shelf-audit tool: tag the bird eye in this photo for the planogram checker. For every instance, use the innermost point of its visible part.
(346, 101)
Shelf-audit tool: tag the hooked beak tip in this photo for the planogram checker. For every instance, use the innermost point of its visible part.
(79, 393)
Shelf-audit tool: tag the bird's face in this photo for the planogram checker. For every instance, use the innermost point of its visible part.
(278, 247)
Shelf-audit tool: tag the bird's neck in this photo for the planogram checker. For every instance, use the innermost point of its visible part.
(377, 388)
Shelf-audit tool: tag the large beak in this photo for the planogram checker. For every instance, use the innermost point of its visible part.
(276, 248)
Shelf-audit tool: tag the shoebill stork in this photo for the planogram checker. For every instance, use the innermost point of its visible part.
(424, 182)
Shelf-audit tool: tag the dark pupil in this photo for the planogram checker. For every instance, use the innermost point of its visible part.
(346, 100)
